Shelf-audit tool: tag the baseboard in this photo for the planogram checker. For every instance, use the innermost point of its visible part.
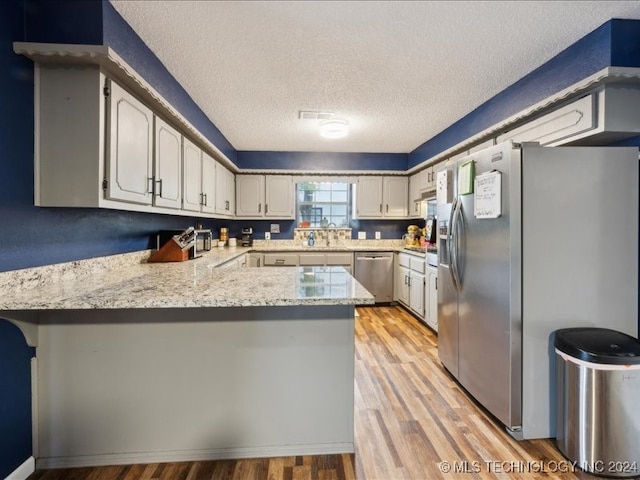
(193, 455)
(24, 470)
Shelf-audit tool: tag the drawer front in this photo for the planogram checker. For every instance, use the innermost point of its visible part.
(280, 259)
(312, 258)
(339, 258)
(418, 264)
(404, 260)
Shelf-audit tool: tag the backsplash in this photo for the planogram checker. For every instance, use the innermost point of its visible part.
(323, 236)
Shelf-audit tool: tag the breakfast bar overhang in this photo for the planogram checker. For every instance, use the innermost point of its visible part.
(213, 370)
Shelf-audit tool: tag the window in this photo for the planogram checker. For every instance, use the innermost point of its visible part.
(317, 201)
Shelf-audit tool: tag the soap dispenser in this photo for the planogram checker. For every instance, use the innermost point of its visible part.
(311, 239)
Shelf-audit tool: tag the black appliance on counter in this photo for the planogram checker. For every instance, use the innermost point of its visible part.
(247, 237)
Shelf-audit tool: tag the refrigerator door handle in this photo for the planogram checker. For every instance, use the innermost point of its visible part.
(454, 245)
(450, 239)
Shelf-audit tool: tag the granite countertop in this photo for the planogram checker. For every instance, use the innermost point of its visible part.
(190, 284)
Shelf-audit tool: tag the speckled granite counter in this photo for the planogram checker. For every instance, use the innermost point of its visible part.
(196, 283)
(232, 353)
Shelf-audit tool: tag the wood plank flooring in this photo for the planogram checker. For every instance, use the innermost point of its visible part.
(412, 422)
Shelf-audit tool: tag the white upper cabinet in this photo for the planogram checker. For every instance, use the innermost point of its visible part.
(193, 196)
(260, 196)
(369, 203)
(250, 196)
(225, 191)
(167, 191)
(208, 185)
(563, 123)
(382, 197)
(199, 179)
(130, 152)
(278, 196)
(112, 151)
(395, 194)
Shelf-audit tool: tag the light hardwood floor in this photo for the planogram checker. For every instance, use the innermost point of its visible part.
(412, 422)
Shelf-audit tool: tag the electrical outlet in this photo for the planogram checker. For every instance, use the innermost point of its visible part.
(267, 235)
(378, 236)
(362, 235)
(275, 228)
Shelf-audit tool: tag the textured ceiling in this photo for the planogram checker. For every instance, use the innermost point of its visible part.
(399, 72)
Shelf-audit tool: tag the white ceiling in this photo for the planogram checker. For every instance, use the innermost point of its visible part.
(399, 72)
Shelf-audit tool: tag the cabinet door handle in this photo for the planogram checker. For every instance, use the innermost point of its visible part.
(226, 203)
(204, 195)
(259, 208)
(387, 208)
(380, 208)
(159, 182)
(201, 198)
(266, 208)
(436, 283)
(258, 262)
(150, 183)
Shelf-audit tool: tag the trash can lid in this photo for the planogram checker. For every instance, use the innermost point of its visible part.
(598, 345)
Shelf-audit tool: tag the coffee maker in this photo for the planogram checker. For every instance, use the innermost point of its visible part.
(247, 237)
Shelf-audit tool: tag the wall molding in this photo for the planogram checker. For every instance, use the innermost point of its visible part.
(118, 69)
(195, 455)
(608, 75)
(24, 470)
(322, 173)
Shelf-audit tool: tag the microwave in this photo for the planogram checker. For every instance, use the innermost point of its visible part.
(202, 242)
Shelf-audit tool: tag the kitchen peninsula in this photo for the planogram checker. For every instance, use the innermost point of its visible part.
(141, 362)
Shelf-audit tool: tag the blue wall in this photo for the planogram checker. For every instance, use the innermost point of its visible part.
(15, 398)
(616, 42)
(33, 236)
(121, 37)
(322, 161)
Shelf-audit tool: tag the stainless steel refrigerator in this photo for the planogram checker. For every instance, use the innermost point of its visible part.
(532, 239)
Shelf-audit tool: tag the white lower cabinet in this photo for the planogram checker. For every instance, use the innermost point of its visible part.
(402, 281)
(416, 293)
(238, 262)
(280, 259)
(254, 259)
(303, 259)
(410, 283)
(431, 298)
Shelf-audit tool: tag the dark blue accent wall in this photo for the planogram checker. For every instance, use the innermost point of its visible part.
(121, 37)
(15, 398)
(32, 236)
(615, 41)
(63, 21)
(330, 162)
(625, 40)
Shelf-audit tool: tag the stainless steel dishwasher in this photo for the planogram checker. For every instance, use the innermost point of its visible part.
(374, 270)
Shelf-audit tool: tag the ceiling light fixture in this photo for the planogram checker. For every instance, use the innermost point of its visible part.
(334, 128)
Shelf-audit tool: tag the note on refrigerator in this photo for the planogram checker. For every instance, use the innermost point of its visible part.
(487, 199)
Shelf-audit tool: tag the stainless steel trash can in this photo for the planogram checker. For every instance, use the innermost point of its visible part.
(598, 400)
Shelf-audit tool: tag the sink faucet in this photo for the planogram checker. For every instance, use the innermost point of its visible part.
(328, 234)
